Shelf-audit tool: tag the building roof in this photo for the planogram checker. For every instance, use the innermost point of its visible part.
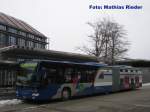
(33, 53)
(18, 24)
(8, 62)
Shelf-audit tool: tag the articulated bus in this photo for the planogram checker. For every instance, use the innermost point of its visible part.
(45, 80)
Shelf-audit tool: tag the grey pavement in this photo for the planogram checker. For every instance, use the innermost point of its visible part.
(129, 101)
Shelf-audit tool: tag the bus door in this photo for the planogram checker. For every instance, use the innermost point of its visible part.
(126, 82)
(132, 82)
(137, 81)
(140, 80)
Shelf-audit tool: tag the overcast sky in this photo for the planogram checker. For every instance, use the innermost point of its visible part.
(64, 21)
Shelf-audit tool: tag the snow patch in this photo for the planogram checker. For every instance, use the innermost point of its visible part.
(146, 84)
(9, 102)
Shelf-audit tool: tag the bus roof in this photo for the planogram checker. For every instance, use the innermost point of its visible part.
(93, 64)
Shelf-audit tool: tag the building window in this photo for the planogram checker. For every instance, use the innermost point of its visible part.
(20, 59)
(12, 30)
(12, 40)
(42, 46)
(2, 27)
(30, 44)
(22, 33)
(39, 39)
(21, 42)
(39, 46)
(36, 45)
(35, 38)
(43, 39)
(2, 40)
(31, 36)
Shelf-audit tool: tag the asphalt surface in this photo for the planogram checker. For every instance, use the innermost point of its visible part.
(129, 101)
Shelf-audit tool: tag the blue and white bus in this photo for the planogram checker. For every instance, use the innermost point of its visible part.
(45, 80)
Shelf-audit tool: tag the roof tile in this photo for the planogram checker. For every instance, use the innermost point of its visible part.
(19, 24)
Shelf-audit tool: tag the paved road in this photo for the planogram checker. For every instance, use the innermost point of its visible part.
(129, 101)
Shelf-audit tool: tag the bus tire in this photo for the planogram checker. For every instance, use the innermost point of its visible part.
(66, 94)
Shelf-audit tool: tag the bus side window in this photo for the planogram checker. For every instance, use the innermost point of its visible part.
(60, 76)
(68, 75)
(84, 76)
(121, 70)
(101, 75)
(51, 75)
(91, 75)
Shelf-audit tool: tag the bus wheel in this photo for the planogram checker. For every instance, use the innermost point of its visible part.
(66, 94)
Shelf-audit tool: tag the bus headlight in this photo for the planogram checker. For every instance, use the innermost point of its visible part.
(35, 94)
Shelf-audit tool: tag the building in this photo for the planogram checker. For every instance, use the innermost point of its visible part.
(8, 70)
(16, 53)
(16, 32)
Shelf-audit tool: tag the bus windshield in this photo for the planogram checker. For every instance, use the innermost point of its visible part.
(26, 75)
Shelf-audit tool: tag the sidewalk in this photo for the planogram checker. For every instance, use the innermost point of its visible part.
(7, 93)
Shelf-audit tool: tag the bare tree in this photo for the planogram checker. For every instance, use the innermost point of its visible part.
(109, 42)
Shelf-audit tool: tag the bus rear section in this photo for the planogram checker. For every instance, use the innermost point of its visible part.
(117, 78)
(130, 78)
